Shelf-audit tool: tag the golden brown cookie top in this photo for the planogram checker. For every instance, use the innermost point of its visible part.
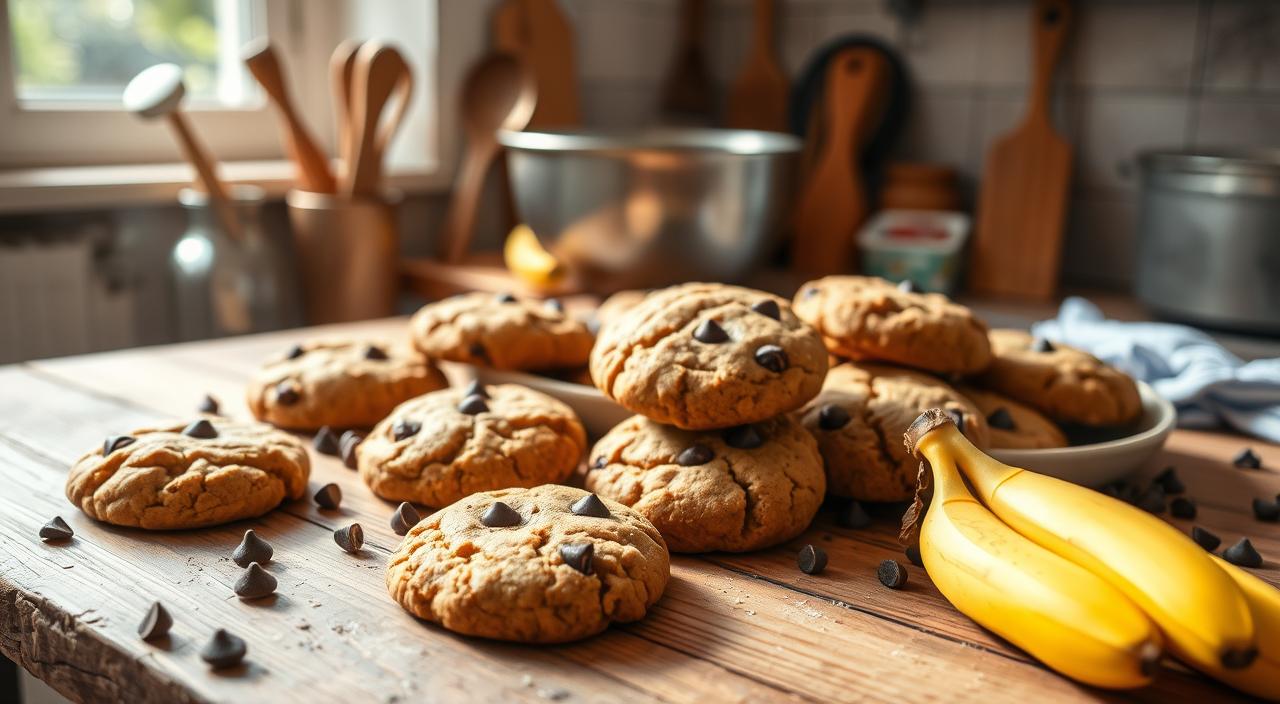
(1013, 425)
(618, 303)
(543, 565)
(702, 356)
(868, 318)
(200, 473)
(502, 331)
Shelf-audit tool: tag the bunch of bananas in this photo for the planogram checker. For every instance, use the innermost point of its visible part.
(1092, 587)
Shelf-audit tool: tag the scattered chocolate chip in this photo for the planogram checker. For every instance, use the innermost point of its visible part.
(255, 583)
(710, 332)
(156, 623)
(590, 505)
(1268, 511)
(329, 496)
(694, 455)
(1169, 481)
(287, 394)
(1041, 344)
(201, 429)
(743, 437)
(506, 297)
(350, 538)
(475, 388)
(223, 650)
(892, 574)
(1238, 659)
(812, 559)
(500, 515)
(405, 428)
(913, 555)
(768, 308)
(1205, 539)
(251, 549)
(405, 517)
(958, 418)
(294, 352)
(772, 357)
(376, 353)
(811, 292)
(326, 442)
(477, 350)
(854, 516)
(1247, 459)
(1152, 500)
(1242, 554)
(209, 405)
(1182, 507)
(473, 405)
(115, 442)
(1002, 419)
(553, 304)
(908, 286)
(578, 555)
(347, 445)
(601, 462)
(56, 529)
(832, 417)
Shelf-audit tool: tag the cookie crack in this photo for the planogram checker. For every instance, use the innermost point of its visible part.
(748, 513)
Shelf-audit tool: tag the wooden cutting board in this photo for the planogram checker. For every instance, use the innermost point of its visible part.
(758, 98)
(1022, 208)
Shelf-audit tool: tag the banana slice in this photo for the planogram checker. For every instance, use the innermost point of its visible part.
(525, 257)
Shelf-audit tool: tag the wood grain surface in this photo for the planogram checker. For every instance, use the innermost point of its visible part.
(747, 627)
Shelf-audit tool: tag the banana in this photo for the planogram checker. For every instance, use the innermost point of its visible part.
(1200, 610)
(1061, 614)
(1262, 677)
(525, 257)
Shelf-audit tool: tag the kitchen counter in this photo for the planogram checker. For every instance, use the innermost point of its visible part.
(729, 628)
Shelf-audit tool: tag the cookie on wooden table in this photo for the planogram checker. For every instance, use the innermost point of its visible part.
(1013, 425)
(744, 488)
(544, 565)
(858, 421)
(701, 356)
(501, 331)
(339, 383)
(1067, 384)
(205, 472)
(868, 318)
(440, 447)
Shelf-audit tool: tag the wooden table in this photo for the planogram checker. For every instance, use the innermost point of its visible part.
(729, 628)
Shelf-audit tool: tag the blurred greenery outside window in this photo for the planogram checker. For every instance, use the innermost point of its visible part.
(85, 51)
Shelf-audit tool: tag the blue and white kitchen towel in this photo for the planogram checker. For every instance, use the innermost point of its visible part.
(1207, 384)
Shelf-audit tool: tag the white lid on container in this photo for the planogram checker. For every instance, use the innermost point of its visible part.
(938, 231)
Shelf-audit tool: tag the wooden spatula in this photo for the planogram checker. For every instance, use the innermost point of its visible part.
(549, 53)
(686, 90)
(342, 67)
(379, 71)
(313, 168)
(1023, 204)
(758, 99)
(833, 201)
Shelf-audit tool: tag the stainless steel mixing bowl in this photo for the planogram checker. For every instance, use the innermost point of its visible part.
(653, 207)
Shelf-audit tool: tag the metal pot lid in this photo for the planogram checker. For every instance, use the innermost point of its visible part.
(1237, 161)
(741, 142)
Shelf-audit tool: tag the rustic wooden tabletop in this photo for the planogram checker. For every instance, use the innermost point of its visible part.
(729, 628)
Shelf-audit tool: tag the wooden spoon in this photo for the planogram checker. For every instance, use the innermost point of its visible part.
(758, 99)
(379, 71)
(499, 93)
(313, 168)
(686, 91)
(342, 66)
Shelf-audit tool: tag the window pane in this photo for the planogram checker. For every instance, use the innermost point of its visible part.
(86, 51)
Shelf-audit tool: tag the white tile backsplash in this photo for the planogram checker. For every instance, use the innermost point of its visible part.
(1114, 127)
(1237, 121)
(1133, 45)
(1243, 48)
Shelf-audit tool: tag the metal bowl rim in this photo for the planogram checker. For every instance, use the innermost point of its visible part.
(1217, 161)
(707, 140)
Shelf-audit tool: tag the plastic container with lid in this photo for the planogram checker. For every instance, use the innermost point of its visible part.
(924, 246)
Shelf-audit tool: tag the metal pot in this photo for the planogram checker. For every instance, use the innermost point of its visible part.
(1209, 237)
(649, 208)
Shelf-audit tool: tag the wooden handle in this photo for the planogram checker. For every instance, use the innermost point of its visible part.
(692, 20)
(1050, 24)
(313, 167)
(342, 65)
(378, 71)
(763, 33)
(548, 51)
(207, 176)
(510, 27)
(461, 220)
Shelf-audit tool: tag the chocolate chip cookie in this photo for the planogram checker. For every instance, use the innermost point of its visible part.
(544, 565)
(1012, 425)
(702, 356)
(447, 444)
(858, 421)
(617, 304)
(744, 488)
(339, 383)
(1064, 383)
(205, 472)
(502, 331)
(867, 318)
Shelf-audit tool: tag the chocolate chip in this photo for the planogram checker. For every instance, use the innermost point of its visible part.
(811, 292)
(1247, 459)
(1238, 659)
(251, 549)
(913, 555)
(350, 538)
(156, 624)
(553, 304)
(376, 353)
(287, 394)
(768, 308)
(892, 574)
(743, 437)
(405, 517)
(1182, 507)
(473, 405)
(223, 650)
(578, 555)
(854, 516)
(500, 515)
(772, 357)
(209, 405)
(255, 583)
(1000, 418)
(405, 428)
(694, 455)
(347, 445)
(958, 418)
(475, 388)
(1041, 344)
(56, 529)
(329, 496)
(506, 298)
(1169, 481)
(590, 505)
(326, 442)
(812, 559)
(1267, 511)
(908, 286)
(115, 442)
(710, 332)
(1243, 554)
(1152, 500)
(601, 462)
(201, 429)
(1205, 539)
(832, 417)
(295, 352)
(477, 350)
